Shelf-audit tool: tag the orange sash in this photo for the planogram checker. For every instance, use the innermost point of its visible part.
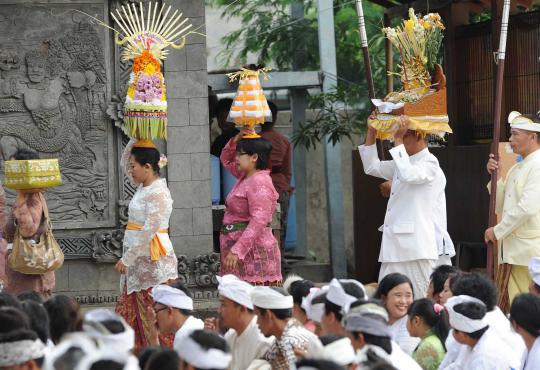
(157, 249)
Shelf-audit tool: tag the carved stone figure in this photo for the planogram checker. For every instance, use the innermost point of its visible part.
(53, 97)
(205, 269)
(107, 246)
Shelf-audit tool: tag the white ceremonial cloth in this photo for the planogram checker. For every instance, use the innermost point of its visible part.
(236, 290)
(191, 324)
(516, 120)
(336, 294)
(418, 271)
(172, 297)
(340, 351)
(416, 205)
(534, 270)
(401, 336)
(461, 322)
(248, 346)
(401, 360)
(266, 297)
(531, 360)
(489, 353)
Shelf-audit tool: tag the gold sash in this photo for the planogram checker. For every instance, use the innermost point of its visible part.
(157, 249)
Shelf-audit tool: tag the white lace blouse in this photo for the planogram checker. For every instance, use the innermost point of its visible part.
(151, 207)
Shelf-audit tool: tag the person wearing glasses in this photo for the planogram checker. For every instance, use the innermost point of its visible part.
(173, 309)
(248, 248)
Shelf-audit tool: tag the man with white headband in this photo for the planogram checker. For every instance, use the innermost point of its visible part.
(21, 349)
(518, 206)
(173, 307)
(203, 350)
(480, 287)
(341, 293)
(313, 304)
(467, 316)
(367, 326)
(534, 270)
(273, 308)
(236, 313)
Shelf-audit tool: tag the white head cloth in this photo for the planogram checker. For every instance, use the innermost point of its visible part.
(72, 340)
(20, 351)
(314, 311)
(340, 351)
(129, 361)
(172, 297)
(124, 341)
(236, 290)
(336, 293)
(461, 322)
(517, 120)
(534, 269)
(270, 299)
(200, 358)
(362, 355)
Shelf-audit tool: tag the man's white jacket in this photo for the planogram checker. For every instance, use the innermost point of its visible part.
(415, 221)
(518, 204)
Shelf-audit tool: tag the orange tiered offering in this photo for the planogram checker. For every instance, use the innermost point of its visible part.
(249, 106)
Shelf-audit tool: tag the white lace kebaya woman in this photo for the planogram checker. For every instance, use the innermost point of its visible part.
(148, 256)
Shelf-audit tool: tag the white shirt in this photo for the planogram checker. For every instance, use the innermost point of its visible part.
(191, 324)
(398, 359)
(248, 346)
(489, 353)
(413, 220)
(401, 336)
(401, 360)
(499, 325)
(531, 360)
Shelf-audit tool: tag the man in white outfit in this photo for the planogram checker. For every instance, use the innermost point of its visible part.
(467, 316)
(414, 230)
(244, 338)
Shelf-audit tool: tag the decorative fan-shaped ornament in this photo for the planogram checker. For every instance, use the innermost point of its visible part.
(145, 33)
(249, 107)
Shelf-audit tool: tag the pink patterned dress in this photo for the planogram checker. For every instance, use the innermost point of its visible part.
(253, 201)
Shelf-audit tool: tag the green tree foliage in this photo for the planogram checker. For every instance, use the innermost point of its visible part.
(270, 32)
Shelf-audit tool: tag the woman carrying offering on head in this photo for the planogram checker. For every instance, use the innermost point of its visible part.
(148, 256)
(248, 248)
(27, 215)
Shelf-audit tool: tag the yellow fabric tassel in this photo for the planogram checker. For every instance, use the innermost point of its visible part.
(387, 124)
(157, 249)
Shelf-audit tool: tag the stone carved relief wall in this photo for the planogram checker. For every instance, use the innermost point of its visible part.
(53, 96)
(198, 274)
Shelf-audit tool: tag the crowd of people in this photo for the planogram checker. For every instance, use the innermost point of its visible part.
(422, 313)
(342, 325)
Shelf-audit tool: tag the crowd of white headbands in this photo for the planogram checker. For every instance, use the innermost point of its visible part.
(97, 343)
(20, 351)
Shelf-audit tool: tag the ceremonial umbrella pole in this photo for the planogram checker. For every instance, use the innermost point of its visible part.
(365, 50)
(499, 60)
